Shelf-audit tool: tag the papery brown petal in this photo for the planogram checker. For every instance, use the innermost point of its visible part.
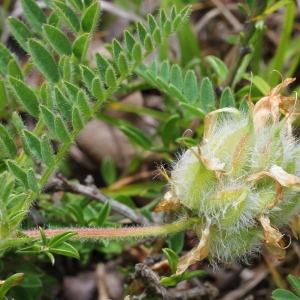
(213, 164)
(197, 254)
(281, 85)
(276, 250)
(167, 202)
(272, 235)
(283, 177)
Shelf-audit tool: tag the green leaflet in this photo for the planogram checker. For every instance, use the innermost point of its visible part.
(44, 60)
(81, 45)
(5, 57)
(91, 17)
(8, 142)
(207, 97)
(17, 172)
(190, 87)
(26, 95)
(34, 144)
(46, 151)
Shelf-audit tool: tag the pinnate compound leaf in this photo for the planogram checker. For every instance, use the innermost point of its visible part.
(68, 15)
(34, 15)
(17, 172)
(81, 45)
(58, 40)
(8, 142)
(207, 97)
(60, 238)
(65, 249)
(26, 95)
(90, 18)
(190, 87)
(20, 32)
(5, 57)
(43, 60)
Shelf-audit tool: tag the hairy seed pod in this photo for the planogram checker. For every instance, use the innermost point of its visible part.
(242, 182)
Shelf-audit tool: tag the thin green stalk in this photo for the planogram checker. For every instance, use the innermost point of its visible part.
(119, 233)
(242, 49)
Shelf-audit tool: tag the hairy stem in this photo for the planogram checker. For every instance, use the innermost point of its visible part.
(118, 233)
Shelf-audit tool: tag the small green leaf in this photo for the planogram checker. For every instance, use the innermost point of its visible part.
(18, 123)
(20, 32)
(68, 15)
(142, 32)
(87, 76)
(65, 249)
(97, 89)
(61, 129)
(123, 64)
(172, 258)
(168, 28)
(83, 103)
(77, 4)
(9, 283)
(17, 172)
(151, 23)
(173, 14)
(103, 214)
(81, 46)
(90, 17)
(176, 77)
(190, 87)
(14, 69)
(32, 181)
(8, 142)
(72, 90)
(5, 57)
(168, 129)
(129, 41)
(227, 98)
(169, 281)
(43, 236)
(218, 66)
(177, 94)
(295, 283)
(65, 67)
(281, 294)
(25, 95)
(194, 274)
(137, 137)
(34, 15)
(46, 95)
(110, 77)
(46, 151)
(207, 96)
(3, 93)
(177, 22)
(44, 60)
(102, 65)
(58, 40)
(49, 118)
(137, 54)
(162, 18)
(33, 143)
(63, 104)
(148, 43)
(108, 171)
(157, 36)
(76, 119)
(117, 49)
(165, 71)
(60, 238)
(198, 112)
